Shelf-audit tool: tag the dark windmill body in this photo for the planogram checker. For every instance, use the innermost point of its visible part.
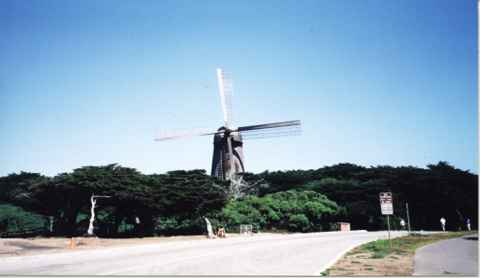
(225, 144)
(228, 159)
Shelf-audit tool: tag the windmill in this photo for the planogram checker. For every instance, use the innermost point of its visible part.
(228, 160)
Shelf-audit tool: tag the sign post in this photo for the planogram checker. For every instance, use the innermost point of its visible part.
(386, 205)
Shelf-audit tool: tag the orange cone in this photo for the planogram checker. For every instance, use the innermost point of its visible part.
(72, 243)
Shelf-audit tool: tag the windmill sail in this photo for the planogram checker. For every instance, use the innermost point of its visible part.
(170, 135)
(278, 129)
(225, 87)
(269, 125)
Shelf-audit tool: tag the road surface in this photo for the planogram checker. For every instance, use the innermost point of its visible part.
(452, 256)
(295, 254)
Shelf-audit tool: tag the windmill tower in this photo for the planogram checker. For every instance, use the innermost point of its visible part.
(228, 159)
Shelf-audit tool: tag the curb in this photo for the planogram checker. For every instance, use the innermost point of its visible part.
(348, 249)
(333, 261)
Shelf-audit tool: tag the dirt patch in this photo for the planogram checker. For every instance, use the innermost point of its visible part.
(23, 245)
(33, 246)
(361, 264)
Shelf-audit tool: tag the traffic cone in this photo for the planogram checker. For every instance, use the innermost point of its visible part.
(72, 244)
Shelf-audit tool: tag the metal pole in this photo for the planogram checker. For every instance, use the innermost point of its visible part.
(388, 225)
(408, 219)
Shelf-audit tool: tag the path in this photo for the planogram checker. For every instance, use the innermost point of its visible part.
(452, 256)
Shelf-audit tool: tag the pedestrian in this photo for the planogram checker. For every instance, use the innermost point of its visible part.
(443, 221)
(221, 232)
(469, 228)
(402, 224)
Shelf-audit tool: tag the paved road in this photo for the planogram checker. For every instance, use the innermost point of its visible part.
(297, 254)
(452, 256)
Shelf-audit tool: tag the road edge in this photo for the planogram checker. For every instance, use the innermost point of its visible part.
(338, 257)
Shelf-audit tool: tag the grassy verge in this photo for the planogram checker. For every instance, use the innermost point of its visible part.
(377, 258)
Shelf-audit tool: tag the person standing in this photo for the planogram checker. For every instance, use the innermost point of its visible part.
(443, 221)
(469, 228)
(402, 224)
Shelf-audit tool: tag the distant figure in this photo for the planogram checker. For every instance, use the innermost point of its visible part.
(468, 224)
(443, 222)
(221, 232)
(402, 223)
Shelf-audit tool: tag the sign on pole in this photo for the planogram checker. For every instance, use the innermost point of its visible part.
(386, 203)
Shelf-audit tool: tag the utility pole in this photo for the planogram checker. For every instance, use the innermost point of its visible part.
(408, 219)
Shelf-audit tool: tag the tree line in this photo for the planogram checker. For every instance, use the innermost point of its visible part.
(176, 202)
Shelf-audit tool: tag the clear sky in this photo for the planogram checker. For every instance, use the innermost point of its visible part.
(373, 82)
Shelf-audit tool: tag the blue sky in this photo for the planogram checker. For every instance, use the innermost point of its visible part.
(374, 82)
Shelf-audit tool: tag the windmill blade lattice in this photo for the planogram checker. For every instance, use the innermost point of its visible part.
(269, 126)
(171, 135)
(225, 87)
(271, 132)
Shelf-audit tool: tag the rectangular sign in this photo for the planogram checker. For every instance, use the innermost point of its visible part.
(386, 203)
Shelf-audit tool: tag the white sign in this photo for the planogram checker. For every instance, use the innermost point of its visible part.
(386, 203)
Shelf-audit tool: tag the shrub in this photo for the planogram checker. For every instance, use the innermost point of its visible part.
(295, 211)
